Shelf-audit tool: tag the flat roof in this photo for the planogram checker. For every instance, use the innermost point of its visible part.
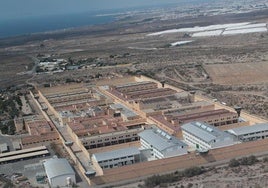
(160, 140)
(23, 151)
(200, 114)
(204, 131)
(188, 106)
(249, 129)
(154, 100)
(57, 167)
(116, 153)
(59, 95)
(125, 110)
(144, 92)
(3, 147)
(23, 156)
(134, 84)
(92, 137)
(79, 101)
(16, 145)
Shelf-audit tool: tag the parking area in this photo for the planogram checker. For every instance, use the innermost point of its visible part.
(27, 170)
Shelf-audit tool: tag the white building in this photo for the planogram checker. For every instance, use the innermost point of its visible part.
(117, 158)
(59, 172)
(162, 144)
(204, 137)
(250, 133)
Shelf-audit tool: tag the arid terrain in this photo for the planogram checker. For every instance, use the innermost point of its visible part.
(223, 176)
(233, 68)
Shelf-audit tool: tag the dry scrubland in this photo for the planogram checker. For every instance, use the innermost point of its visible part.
(232, 69)
(254, 176)
(10, 65)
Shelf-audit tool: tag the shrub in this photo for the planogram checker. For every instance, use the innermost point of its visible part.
(190, 185)
(194, 171)
(162, 180)
(248, 160)
(252, 160)
(265, 159)
(152, 181)
(234, 163)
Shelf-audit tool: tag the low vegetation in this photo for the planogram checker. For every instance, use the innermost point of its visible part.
(243, 161)
(8, 127)
(9, 109)
(173, 177)
(165, 180)
(9, 106)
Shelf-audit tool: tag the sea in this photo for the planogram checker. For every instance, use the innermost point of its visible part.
(27, 26)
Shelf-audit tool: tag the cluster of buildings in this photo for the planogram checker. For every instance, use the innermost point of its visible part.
(123, 122)
(40, 131)
(53, 65)
(180, 122)
(162, 121)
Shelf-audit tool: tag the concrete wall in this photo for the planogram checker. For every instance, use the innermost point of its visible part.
(176, 152)
(77, 141)
(228, 141)
(97, 166)
(61, 180)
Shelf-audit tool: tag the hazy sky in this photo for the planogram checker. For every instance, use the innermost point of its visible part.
(12, 9)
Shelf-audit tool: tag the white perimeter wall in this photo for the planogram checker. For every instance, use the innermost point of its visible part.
(61, 180)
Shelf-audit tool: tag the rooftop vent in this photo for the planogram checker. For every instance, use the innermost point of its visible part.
(209, 129)
(203, 126)
(198, 124)
(168, 137)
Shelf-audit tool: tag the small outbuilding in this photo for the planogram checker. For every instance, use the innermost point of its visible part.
(4, 148)
(59, 172)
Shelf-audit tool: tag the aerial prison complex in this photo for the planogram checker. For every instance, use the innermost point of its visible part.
(112, 126)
